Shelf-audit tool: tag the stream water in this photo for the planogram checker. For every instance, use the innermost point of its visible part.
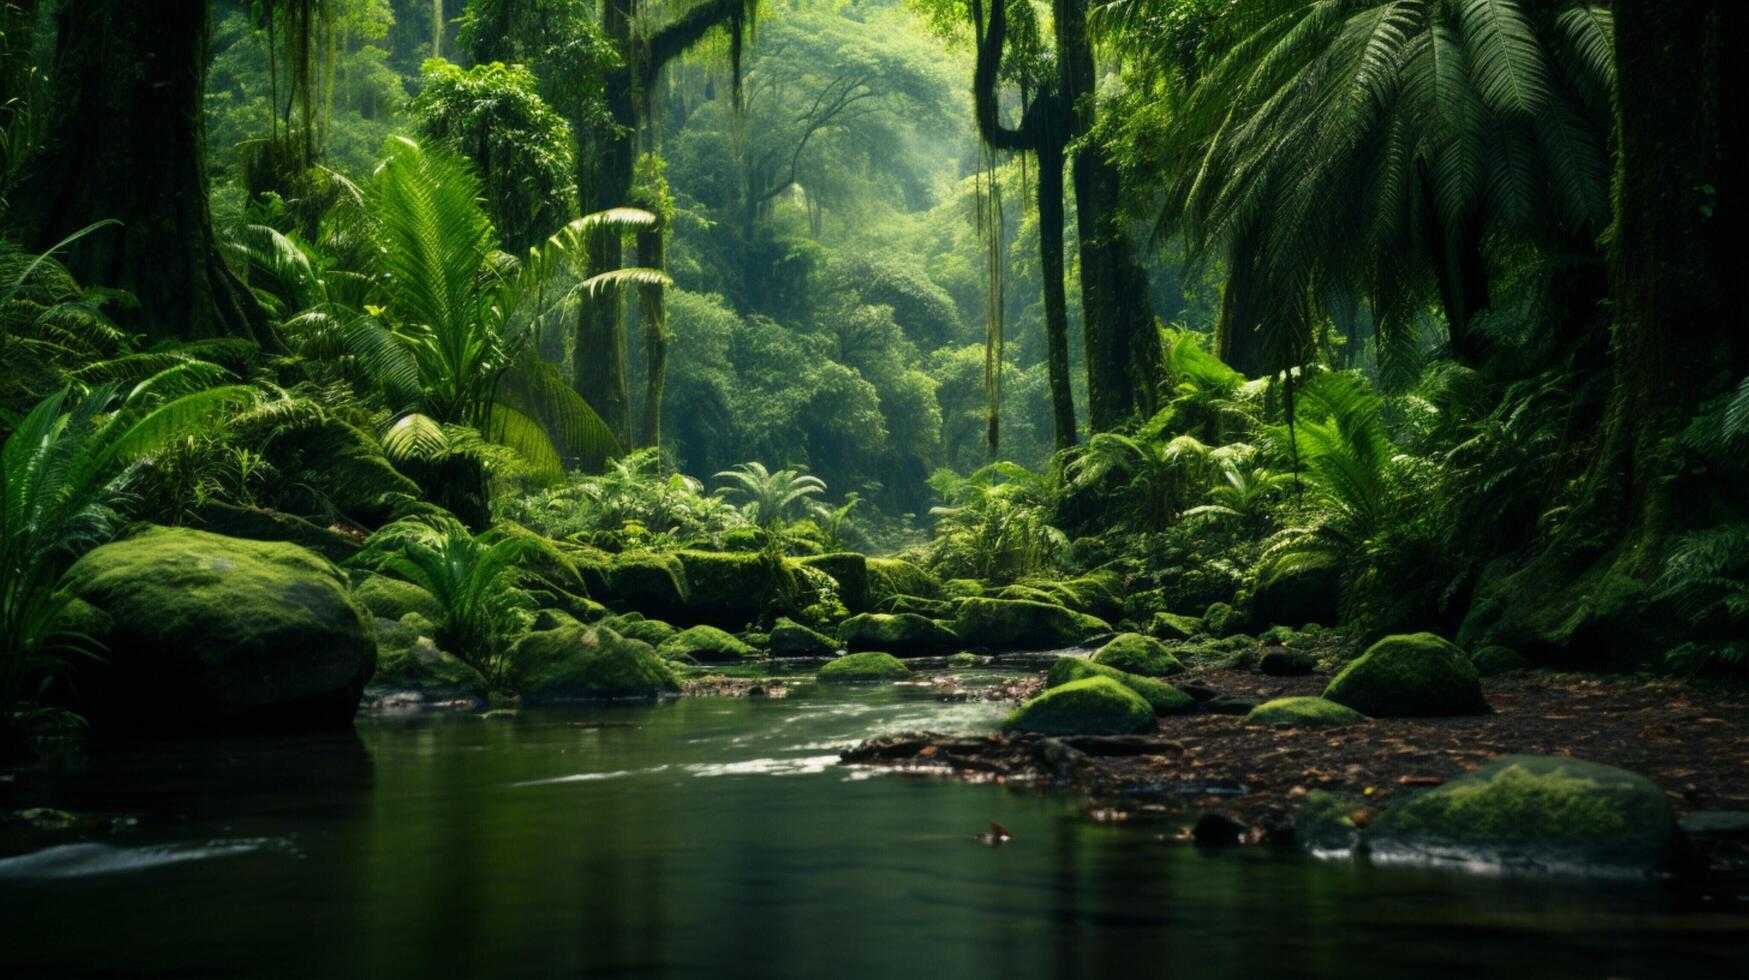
(719, 837)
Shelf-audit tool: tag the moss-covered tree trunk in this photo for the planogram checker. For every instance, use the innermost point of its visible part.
(1050, 249)
(1122, 345)
(127, 140)
(653, 316)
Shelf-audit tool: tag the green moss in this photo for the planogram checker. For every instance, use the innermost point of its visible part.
(1535, 810)
(792, 639)
(391, 598)
(1304, 713)
(655, 632)
(1013, 624)
(906, 634)
(850, 570)
(588, 663)
(866, 666)
(1492, 661)
(1326, 822)
(888, 577)
(650, 583)
(205, 629)
(1096, 593)
(933, 608)
(1172, 626)
(1407, 676)
(733, 589)
(964, 658)
(962, 588)
(1161, 696)
(706, 643)
(1222, 619)
(1134, 653)
(408, 661)
(1091, 706)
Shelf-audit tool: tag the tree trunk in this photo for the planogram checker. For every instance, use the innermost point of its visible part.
(653, 314)
(128, 141)
(1676, 245)
(1050, 249)
(1122, 344)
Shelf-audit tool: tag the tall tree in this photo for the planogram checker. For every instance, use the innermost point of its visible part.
(127, 140)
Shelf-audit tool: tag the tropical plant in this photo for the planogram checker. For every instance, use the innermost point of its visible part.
(997, 522)
(478, 581)
(65, 473)
(1244, 494)
(769, 498)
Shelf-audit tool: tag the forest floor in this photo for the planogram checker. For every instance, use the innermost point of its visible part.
(1693, 741)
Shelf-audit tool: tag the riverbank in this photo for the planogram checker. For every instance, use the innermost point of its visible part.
(1692, 741)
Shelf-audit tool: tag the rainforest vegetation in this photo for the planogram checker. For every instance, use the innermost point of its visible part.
(501, 351)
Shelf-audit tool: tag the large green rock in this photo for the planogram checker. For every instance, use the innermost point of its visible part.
(706, 644)
(1015, 624)
(933, 608)
(410, 663)
(1534, 812)
(588, 663)
(1492, 661)
(346, 468)
(888, 577)
(1415, 675)
(1161, 696)
(1221, 619)
(391, 598)
(1304, 713)
(866, 666)
(850, 571)
(202, 630)
(1091, 706)
(653, 584)
(732, 589)
(903, 634)
(1134, 653)
(652, 631)
(258, 524)
(789, 638)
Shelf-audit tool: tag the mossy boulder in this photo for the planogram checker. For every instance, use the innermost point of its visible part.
(866, 666)
(1304, 713)
(655, 632)
(653, 584)
(1172, 626)
(933, 608)
(1096, 593)
(888, 577)
(1284, 662)
(588, 663)
(1090, 706)
(1325, 823)
(1134, 653)
(409, 662)
(1411, 675)
(348, 467)
(1492, 661)
(1534, 812)
(705, 644)
(202, 630)
(962, 588)
(731, 589)
(1161, 696)
(789, 638)
(391, 598)
(1296, 596)
(904, 634)
(1221, 619)
(1015, 624)
(259, 524)
(850, 571)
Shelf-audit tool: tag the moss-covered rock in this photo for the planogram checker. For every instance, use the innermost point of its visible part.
(1091, 706)
(348, 468)
(653, 584)
(1172, 626)
(588, 663)
(1304, 713)
(964, 658)
(391, 598)
(1221, 619)
(1540, 812)
(203, 630)
(888, 577)
(962, 588)
(1015, 624)
(865, 666)
(655, 632)
(904, 634)
(1098, 593)
(1161, 696)
(1492, 661)
(705, 644)
(1409, 676)
(789, 638)
(932, 608)
(850, 571)
(732, 589)
(1283, 662)
(409, 662)
(257, 524)
(1325, 823)
(1134, 653)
